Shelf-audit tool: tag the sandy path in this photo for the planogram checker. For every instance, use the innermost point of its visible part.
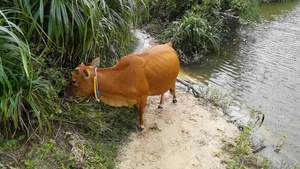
(186, 136)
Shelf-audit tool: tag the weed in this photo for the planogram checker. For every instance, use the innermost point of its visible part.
(47, 154)
(242, 156)
(216, 97)
(155, 127)
(280, 143)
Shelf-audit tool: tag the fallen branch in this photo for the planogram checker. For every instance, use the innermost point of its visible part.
(227, 15)
(189, 85)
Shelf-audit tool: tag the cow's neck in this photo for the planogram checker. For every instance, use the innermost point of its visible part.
(106, 79)
(111, 87)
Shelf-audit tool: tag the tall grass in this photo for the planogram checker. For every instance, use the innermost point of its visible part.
(21, 88)
(194, 36)
(68, 30)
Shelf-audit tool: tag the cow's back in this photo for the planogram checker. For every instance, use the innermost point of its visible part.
(161, 69)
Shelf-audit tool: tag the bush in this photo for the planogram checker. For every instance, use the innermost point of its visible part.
(198, 27)
(193, 36)
(197, 33)
(170, 10)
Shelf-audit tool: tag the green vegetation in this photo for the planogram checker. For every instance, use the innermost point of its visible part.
(22, 87)
(64, 31)
(85, 135)
(242, 155)
(197, 27)
(268, 1)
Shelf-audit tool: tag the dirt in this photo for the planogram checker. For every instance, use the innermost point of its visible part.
(186, 134)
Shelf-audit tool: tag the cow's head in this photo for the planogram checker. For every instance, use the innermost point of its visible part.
(82, 81)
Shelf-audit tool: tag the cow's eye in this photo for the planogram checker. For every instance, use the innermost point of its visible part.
(73, 81)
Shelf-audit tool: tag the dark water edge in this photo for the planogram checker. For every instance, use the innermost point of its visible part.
(261, 66)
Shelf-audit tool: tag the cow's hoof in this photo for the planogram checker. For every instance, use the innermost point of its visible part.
(140, 128)
(174, 101)
(160, 107)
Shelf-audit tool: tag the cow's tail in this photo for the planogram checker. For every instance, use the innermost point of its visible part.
(170, 44)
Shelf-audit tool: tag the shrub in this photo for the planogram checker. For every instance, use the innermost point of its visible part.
(198, 27)
(170, 10)
(195, 35)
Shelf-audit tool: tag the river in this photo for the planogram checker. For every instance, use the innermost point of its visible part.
(261, 66)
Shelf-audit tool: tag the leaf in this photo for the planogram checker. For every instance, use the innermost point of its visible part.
(22, 137)
(41, 9)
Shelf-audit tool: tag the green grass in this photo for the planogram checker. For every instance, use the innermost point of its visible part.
(87, 134)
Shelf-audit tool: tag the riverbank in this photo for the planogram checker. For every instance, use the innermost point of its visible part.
(187, 134)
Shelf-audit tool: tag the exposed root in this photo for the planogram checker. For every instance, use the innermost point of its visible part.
(78, 147)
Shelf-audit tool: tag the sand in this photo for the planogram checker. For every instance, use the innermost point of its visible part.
(186, 134)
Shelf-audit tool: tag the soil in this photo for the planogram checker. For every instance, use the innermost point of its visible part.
(186, 134)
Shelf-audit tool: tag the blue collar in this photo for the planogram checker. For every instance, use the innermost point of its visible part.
(97, 93)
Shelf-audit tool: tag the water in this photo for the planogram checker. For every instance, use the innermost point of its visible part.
(262, 67)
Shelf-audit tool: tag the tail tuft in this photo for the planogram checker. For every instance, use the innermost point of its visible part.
(170, 44)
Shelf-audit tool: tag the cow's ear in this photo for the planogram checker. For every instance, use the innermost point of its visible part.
(96, 62)
(85, 73)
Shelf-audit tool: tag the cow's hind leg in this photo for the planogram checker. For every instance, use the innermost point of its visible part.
(142, 107)
(160, 106)
(172, 91)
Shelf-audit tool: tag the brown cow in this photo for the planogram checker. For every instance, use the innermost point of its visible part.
(129, 82)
